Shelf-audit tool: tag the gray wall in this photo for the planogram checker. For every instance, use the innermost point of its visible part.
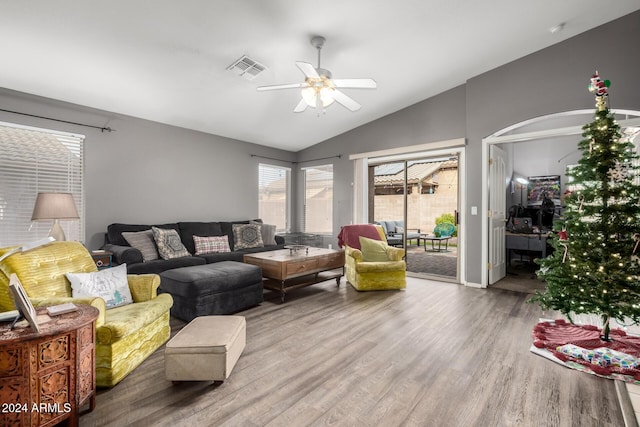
(549, 81)
(146, 172)
(439, 118)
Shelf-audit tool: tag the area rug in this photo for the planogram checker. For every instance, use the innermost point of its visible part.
(580, 347)
(441, 264)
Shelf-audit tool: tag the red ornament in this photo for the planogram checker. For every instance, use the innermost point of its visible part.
(562, 235)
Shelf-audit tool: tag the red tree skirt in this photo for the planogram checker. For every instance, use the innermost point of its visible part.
(551, 335)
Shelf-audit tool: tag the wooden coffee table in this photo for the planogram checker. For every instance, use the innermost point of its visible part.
(286, 269)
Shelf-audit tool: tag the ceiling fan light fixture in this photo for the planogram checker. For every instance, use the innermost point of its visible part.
(319, 89)
(310, 94)
(326, 96)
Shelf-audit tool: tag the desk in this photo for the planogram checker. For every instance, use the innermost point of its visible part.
(434, 239)
(47, 376)
(526, 242)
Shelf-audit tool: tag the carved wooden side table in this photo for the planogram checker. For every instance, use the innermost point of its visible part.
(47, 376)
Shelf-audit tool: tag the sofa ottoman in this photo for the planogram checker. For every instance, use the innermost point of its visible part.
(220, 288)
(206, 349)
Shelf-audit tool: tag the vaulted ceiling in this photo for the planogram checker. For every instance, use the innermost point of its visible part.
(167, 60)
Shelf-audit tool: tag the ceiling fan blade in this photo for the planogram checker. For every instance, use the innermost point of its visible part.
(302, 105)
(345, 100)
(286, 86)
(355, 83)
(308, 69)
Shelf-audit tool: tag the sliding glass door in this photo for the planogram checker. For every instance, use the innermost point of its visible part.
(417, 202)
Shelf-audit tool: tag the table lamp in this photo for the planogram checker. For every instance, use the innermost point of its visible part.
(55, 206)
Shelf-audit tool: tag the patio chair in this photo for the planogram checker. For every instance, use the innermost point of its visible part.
(394, 230)
(444, 229)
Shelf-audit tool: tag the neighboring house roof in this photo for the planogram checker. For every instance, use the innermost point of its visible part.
(416, 172)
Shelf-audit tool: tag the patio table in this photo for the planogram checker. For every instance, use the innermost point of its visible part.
(434, 239)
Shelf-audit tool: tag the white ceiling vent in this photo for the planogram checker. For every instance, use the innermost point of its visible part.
(247, 68)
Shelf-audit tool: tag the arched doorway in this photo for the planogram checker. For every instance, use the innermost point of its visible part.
(551, 141)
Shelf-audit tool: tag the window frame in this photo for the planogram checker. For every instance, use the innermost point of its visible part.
(327, 204)
(287, 208)
(41, 166)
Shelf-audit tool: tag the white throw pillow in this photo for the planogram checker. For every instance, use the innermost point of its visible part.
(110, 284)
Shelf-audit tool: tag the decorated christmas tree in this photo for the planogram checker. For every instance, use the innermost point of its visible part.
(595, 267)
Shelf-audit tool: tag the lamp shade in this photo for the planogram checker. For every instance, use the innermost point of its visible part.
(54, 206)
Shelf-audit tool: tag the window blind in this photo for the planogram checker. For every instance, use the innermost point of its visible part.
(37, 160)
(318, 199)
(274, 191)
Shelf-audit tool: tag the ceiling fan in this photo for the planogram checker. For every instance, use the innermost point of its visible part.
(319, 89)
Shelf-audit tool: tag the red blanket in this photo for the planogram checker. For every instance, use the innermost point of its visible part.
(552, 335)
(350, 234)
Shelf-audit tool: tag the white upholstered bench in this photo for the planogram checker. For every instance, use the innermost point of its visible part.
(206, 349)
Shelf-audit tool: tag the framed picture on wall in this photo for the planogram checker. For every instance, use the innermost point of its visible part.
(541, 186)
(23, 304)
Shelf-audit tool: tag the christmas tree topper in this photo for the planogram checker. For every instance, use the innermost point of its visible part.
(599, 87)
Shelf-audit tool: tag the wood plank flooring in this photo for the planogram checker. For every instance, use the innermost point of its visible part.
(435, 354)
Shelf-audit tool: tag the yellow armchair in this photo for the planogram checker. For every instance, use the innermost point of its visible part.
(378, 275)
(125, 335)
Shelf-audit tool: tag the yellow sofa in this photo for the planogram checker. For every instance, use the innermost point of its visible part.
(376, 276)
(125, 335)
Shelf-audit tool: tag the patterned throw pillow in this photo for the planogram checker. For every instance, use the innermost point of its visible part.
(109, 284)
(169, 244)
(211, 244)
(142, 241)
(247, 236)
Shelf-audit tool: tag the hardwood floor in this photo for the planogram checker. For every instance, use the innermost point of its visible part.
(436, 354)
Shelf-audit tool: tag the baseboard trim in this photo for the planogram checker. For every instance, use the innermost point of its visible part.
(474, 285)
(628, 414)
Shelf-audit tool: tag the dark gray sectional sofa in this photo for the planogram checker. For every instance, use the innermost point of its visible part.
(207, 284)
(123, 253)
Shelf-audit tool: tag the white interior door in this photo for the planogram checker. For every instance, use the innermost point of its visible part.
(497, 213)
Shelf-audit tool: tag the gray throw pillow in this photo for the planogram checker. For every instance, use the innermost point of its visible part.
(268, 233)
(169, 244)
(144, 242)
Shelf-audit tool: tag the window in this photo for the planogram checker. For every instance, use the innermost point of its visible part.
(318, 199)
(32, 161)
(274, 189)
